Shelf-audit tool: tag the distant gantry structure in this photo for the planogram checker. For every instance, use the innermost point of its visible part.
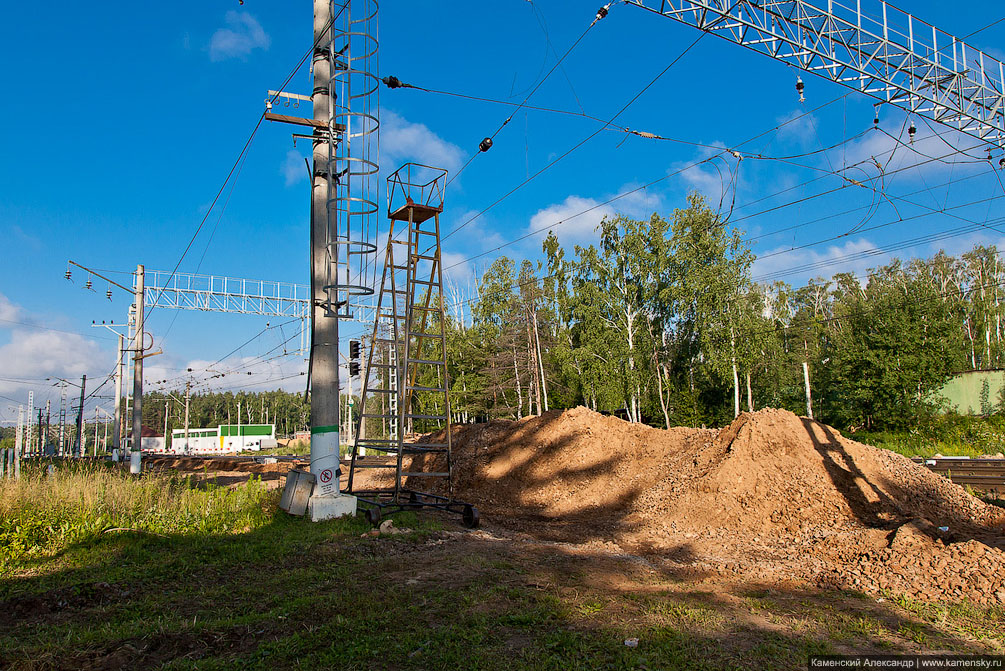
(880, 50)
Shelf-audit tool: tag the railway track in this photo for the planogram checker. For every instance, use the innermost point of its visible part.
(987, 475)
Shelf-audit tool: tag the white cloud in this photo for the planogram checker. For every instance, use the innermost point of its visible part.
(570, 219)
(801, 265)
(8, 310)
(35, 354)
(910, 159)
(401, 141)
(293, 168)
(456, 268)
(242, 35)
(575, 219)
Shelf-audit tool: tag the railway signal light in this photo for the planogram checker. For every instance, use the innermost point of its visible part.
(353, 368)
(354, 349)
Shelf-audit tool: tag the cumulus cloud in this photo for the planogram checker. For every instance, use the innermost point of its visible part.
(293, 168)
(242, 35)
(34, 354)
(8, 311)
(854, 256)
(402, 140)
(575, 219)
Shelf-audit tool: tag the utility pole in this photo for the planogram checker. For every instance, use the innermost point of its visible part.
(62, 418)
(806, 382)
(135, 456)
(80, 418)
(118, 400)
(95, 450)
(324, 325)
(48, 421)
(19, 442)
(188, 395)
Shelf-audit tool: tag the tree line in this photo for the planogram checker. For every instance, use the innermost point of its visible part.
(662, 323)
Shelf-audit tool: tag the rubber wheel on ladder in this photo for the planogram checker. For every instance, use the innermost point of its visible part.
(471, 517)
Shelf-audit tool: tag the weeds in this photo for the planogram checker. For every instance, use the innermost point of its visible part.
(41, 514)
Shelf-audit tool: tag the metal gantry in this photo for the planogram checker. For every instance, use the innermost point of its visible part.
(214, 293)
(866, 45)
(407, 362)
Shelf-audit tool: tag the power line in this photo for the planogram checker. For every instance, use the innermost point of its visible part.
(581, 142)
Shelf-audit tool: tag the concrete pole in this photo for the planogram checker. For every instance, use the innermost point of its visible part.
(80, 420)
(135, 456)
(806, 382)
(324, 336)
(188, 389)
(118, 396)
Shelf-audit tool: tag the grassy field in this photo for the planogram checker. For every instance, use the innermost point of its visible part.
(102, 571)
(948, 435)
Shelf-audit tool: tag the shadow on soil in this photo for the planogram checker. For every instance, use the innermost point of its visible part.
(887, 504)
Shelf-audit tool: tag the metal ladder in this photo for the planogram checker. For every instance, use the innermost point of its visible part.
(410, 327)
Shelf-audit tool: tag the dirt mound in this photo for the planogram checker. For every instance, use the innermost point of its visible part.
(572, 463)
(772, 496)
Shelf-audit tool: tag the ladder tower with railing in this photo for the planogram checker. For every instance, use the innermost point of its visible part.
(407, 362)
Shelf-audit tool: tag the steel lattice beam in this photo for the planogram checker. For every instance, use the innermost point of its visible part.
(886, 53)
(213, 293)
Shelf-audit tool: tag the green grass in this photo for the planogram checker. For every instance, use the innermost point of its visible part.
(219, 579)
(948, 435)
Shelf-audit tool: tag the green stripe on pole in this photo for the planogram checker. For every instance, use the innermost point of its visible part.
(324, 429)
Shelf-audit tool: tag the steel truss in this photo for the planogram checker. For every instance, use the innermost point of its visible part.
(895, 58)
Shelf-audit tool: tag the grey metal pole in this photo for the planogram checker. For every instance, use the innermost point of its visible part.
(119, 395)
(324, 329)
(188, 389)
(80, 420)
(135, 456)
(95, 450)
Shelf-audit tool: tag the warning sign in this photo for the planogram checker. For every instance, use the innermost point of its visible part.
(326, 476)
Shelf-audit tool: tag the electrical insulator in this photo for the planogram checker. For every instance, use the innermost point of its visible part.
(108, 294)
(88, 284)
(354, 349)
(353, 368)
(392, 82)
(602, 12)
(485, 144)
(67, 274)
(911, 131)
(799, 89)
(1001, 163)
(875, 119)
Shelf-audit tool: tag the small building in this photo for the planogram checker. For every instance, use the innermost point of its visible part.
(151, 441)
(224, 439)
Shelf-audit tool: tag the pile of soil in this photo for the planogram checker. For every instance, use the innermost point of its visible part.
(772, 496)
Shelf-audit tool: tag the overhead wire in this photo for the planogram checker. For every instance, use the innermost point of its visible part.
(580, 143)
(241, 155)
(600, 15)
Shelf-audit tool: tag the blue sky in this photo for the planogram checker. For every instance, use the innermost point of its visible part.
(122, 121)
